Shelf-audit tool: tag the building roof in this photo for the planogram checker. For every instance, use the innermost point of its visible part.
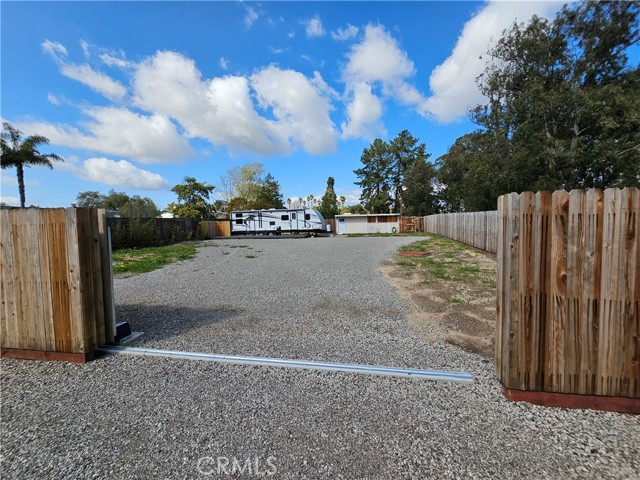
(351, 215)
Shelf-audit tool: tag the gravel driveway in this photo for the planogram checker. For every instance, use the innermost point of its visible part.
(309, 299)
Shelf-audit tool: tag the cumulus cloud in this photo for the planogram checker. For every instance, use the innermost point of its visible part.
(119, 131)
(343, 34)
(224, 63)
(453, 85)
(8, 200)
(121, 173)
(99, 82)
(377, 61)
(299, 106)
(314, 27)
(363, 114)
(222, 111)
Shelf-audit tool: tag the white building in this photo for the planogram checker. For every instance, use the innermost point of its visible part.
(367, 223)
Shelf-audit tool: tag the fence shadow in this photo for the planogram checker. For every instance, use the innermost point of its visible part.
(162, 322)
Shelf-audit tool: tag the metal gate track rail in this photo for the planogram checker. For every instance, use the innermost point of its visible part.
(435, 375)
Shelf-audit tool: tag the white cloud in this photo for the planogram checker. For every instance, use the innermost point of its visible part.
(99, 82)
(55, 49)
(13, 201)
(363, 114)
(314, 27)
(250, 17)
(224, 63)
(111, 60)
(119, 131)
(343, 34)
(121, 173)
(222, 111)
(85, 48)
(376, 61)
(299, 106)
(53, 99)
(453, 85)
(9, 179)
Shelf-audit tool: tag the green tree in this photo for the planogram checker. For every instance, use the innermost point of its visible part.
(564, 108)
(139, 207)
(22, 152)
(329, 205)
(405, 152)
(193, 200)
(267, 194)
(90, 199)
(374, 177)
(419, 196)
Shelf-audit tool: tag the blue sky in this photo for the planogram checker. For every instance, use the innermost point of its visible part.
(136, 95)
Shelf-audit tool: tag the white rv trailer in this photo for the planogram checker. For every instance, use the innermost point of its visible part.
(277, 221)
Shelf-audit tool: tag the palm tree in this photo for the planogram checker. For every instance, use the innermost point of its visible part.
(289, 202)
(342, 200)
(310, 199)
(23, 152)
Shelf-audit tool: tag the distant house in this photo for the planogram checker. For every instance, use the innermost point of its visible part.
(367, 223)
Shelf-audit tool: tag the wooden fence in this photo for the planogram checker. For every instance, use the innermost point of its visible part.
(57, 298)
(478, 229)
(569, 292)
(215, 228)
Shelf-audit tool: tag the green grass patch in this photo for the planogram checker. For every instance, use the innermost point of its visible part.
(250, 256)
(142, 260)
(448, 261)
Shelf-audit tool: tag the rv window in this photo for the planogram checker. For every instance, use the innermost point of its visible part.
(284, 217)
(293, 216)
(307, 216)
(238, 222)
(271, 224)
(238, 215)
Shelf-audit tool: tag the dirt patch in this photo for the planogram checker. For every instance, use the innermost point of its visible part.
(451, 293)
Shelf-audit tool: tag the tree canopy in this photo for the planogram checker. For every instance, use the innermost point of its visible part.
(249, 188)
(193, 200)
(396, 176)
(119, 203)
(329, 206)
(563, 110)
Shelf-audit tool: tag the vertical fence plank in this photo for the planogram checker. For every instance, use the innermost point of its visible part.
(60, 279)
(526, 271)
(77, 308)
(575, 265)
(10, 290)
(500, 288)
(557, 324)
(589, 314)
(45, 297)
(542, 287)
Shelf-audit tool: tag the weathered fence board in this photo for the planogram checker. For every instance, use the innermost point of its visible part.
(52, 279)
(215, 228)
(568, 295)
(478, 229)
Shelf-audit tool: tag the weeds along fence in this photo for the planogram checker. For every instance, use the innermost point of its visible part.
(569, 292)
(478, 229)
(151, 232)
(57, 297)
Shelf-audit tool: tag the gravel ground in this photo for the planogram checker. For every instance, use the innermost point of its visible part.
(310, 299)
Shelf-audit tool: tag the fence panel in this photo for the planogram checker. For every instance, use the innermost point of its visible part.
(569, 292)
(54, 299)
(478, 229)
